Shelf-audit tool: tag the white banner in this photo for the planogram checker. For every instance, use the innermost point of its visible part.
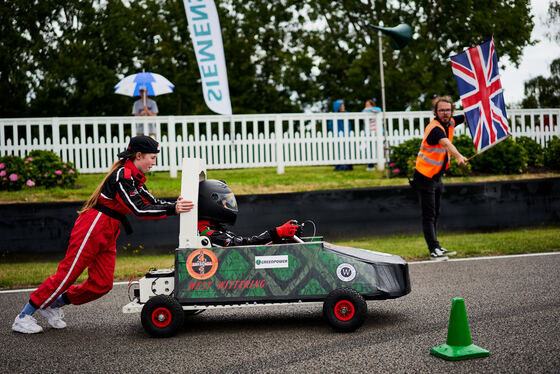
(206, 35)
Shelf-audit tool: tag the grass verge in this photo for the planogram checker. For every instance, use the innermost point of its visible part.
(248, 181)
(411, 247)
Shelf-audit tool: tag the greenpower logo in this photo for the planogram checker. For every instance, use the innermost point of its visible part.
(271, 262)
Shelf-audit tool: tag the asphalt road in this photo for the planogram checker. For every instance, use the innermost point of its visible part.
(513, 305)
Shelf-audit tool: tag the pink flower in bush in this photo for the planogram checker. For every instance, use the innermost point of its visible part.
(70, 171)
(13, 177)
(396, 171)
(392, 164)
(58, 172)
(46, 175)
(64, 166)
(2, 173)
(4, 179)
(30, 159)
(2, 166)
(30, 183)
(26, 162)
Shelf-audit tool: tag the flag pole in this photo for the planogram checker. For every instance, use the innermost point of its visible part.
(386, 148)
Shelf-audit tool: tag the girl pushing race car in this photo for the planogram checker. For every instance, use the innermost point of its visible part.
(93, 238)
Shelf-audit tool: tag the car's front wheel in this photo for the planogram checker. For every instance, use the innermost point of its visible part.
(162, 316)
(345, 309)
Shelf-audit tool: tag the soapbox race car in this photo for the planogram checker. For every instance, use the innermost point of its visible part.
(307, 271)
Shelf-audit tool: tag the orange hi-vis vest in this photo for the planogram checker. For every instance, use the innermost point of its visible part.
(431, 157)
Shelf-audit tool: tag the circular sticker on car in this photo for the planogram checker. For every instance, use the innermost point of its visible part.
(202, 264)
(345, 272)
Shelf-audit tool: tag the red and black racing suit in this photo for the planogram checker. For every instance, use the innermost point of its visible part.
(220, 237)
(93, 239)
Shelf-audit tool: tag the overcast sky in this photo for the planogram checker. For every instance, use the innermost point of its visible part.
(536, 59)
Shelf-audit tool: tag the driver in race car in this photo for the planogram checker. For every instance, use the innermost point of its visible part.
(217, 207)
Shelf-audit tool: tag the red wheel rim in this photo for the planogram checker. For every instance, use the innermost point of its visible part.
(161, 317)
(344, 310)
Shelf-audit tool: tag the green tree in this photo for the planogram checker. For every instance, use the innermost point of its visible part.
(63, 58)
(553, 20)
(348, 51)
(26, 29)
(82, 64)
(542, 92)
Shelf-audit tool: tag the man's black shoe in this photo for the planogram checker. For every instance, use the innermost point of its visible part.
(445, 252)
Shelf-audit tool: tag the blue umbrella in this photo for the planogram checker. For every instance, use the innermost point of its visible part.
(154, 83)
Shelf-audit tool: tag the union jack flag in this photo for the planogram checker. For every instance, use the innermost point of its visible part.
(478, 81)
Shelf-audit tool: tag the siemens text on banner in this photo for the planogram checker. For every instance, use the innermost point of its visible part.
(206, 35)
(478, 81)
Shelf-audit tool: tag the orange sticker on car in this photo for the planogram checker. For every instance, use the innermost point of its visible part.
(202, 264)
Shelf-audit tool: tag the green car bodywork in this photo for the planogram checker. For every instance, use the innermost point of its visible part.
(287, 272)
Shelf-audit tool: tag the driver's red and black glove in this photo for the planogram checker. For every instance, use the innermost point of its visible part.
(288, 229)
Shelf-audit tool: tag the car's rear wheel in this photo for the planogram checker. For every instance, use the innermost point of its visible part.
(345, 309)
(162, 316)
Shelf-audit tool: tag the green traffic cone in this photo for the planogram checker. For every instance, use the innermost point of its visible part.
(458, 345)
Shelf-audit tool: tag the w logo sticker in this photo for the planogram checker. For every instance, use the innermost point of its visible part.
(346, 272)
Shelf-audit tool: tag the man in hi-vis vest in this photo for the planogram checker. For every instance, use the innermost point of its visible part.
(431, 164)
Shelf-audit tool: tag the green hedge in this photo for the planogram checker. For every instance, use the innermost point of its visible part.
(552, 153)
(37, 169)
(12, 169)
(507, 157)
(403, 157)
(535, 152)
(465, 147)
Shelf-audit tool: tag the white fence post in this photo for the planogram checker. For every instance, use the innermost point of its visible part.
(379, 140)
(278, 132)
(172, 146)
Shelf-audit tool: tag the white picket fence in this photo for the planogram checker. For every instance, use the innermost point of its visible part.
(241, 141)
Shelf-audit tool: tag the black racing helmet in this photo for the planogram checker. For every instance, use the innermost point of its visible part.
(216, 202)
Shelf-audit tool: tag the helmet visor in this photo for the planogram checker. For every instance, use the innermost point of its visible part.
(228, 201)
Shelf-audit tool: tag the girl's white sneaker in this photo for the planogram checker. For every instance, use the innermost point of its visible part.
(54, 316)
(26, 325)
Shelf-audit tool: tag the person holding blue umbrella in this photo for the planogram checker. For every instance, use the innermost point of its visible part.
(145, 107)
(144, 84)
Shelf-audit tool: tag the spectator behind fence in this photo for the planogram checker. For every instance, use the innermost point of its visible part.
(370, 107)
(343, 128)
(145, 107)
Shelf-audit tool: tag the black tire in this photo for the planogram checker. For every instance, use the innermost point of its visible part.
(162, 316)
(345, 309)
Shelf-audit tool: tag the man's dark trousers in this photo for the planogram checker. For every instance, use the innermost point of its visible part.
(429, 191)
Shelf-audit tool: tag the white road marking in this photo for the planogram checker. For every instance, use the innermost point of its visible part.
(485, 258)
